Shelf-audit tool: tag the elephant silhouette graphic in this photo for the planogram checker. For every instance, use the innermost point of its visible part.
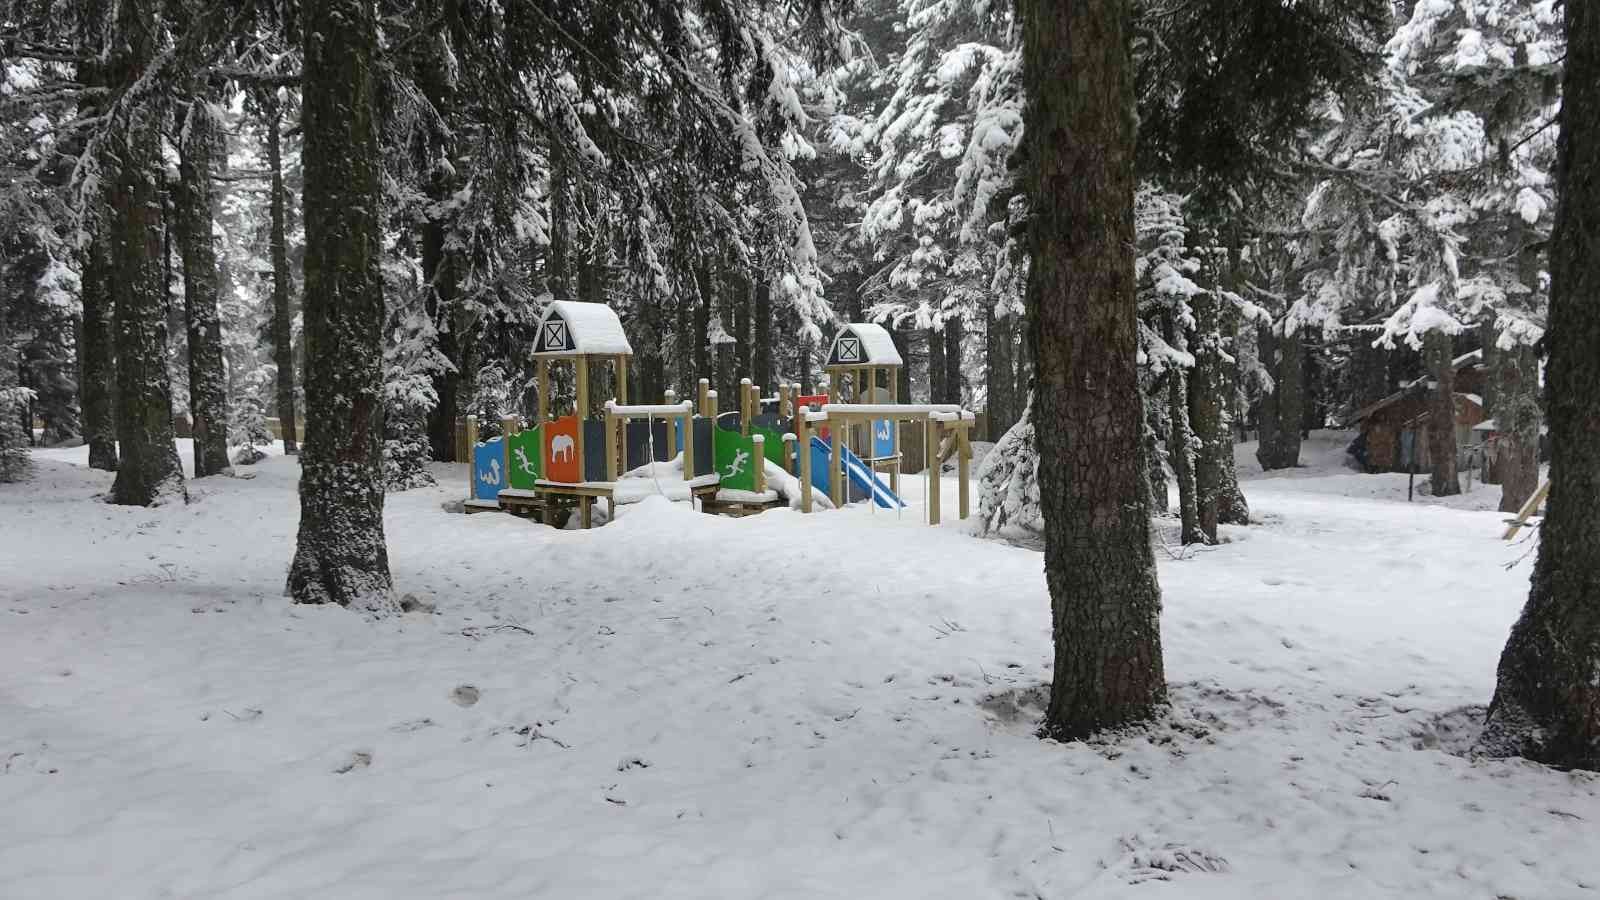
(561, 448)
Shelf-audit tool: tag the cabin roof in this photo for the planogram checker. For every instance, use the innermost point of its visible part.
(569, 328)
(864, 344)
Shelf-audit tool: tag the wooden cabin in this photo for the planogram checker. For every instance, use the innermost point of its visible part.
(1394, 430)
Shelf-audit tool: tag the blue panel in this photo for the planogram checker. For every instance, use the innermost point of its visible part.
(488, 470)
(882, 438)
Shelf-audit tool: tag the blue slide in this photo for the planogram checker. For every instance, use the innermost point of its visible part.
(862, 478)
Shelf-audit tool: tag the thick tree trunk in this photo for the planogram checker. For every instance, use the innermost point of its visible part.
(341, 556)
(1206, 417)
(1000, 373)
(1516, 458)
(96, 353)
(1105, 602)
(1157, 432)
(1439, 351)
(148, 472)
(282, 315)
(1279, 446)
(954, 330)
(192, 203)
(1547, 699)
(936, 367)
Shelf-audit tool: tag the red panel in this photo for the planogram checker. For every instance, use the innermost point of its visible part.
(561, 461)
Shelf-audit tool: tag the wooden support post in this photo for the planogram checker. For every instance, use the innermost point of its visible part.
(784, 408)
(802, 432)
(833, 389)
(622, 380)
(705, 398)
(543, 368)
(836, 491)
(585, 511)
(1527, 510)
(964, 464)
(612, 423)
(760, 462)
(472, 452)
(744, 406)
(932, 472)
(788, 453)
(688, 448)
(894, 397)
(670, 397)
(581, 363)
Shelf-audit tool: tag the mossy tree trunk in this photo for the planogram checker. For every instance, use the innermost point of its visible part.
(1105, 601)
(1547, 697)
(97, 377)
(341, 556)
(200, 140)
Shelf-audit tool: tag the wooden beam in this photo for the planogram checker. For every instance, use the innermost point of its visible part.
(472, 448)
(581, 363)
(964, 465)
(543, 368)
(688, 448)
(622, 379)
(784, 408)
(802, 432)
(836, 491)
(1527, 510)
(744, 406)
(705, 397)
(932, 472)
(760, 462)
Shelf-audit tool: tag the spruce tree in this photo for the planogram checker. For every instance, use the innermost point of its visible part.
(1546, 704)
(1105, 601)
(340, 554)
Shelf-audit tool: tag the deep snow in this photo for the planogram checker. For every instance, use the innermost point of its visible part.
(676, 705)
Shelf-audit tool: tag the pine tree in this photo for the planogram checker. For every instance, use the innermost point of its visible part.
(1547, 700)
(340, 554)
(1078, 73)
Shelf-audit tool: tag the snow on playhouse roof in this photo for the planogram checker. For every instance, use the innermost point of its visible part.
(568, 328)
(863, 344)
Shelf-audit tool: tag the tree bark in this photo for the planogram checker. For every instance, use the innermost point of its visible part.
(1183, 445)
(936, 366)
(1279, 446)
(148, 472)
(1205, 396)
(1232, 508)
(282, 314)
(96, 352)
(1000, 372)
(192, 205)
(1105, 602)
(341, 556)
(1438, 348)
(1547, 699)
(1517, 419)
(954, 329)
(761, 326)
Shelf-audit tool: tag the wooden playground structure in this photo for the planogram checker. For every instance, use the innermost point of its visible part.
(563, 464)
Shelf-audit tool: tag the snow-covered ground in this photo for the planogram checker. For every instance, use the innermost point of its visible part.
(676, 705)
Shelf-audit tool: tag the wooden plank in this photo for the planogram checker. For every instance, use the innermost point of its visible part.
(705, 398)
(1527, 510)
(581, 363)
(836, 491)
(472, 449)
(932, 472)
(760, 462)
(543, 369)
(802, 430)
(964, 467)
(585, 512)
(622, 380)
(688, 446)
(744, 407)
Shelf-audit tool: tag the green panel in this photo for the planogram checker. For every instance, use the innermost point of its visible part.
(733, 455)
(527, 462)
(774, 445)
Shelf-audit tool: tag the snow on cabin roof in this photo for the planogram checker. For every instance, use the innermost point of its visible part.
(864, 344)
(568, 328)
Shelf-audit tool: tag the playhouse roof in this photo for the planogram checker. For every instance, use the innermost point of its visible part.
(580, 329)
(864, 344)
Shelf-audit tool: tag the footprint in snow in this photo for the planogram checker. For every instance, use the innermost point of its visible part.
(464, 695)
